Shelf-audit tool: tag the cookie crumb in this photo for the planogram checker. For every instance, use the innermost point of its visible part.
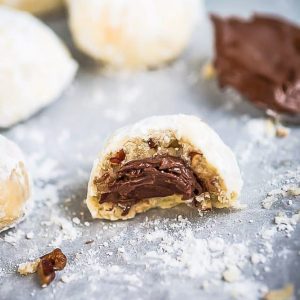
(28, 267)
(232, 274)
(268, 202)
(30, 235)
(295, 191)
(76, 220)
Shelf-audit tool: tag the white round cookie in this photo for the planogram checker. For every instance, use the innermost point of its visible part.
(133, 33)
(14, 184)
(35, 67)
(177, 135)
(35, 6)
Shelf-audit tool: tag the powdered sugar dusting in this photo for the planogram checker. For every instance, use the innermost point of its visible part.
(163, 254)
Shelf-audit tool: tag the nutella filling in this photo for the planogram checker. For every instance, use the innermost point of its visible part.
(158, 176)
(260, 58)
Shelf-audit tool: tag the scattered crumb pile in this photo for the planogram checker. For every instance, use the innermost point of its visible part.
(128, 254)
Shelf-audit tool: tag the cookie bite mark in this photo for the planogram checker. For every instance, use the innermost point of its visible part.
(169, 160)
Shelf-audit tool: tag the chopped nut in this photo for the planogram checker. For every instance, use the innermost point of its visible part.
(175, 144)
(118, 158)
(193, 153)
(104, 177)
(151, 144)
(195, 156)
(203, 202)
(46, 272)
(286, 293)
(57, 258)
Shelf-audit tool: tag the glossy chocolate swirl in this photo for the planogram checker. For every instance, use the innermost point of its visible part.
(158, 176)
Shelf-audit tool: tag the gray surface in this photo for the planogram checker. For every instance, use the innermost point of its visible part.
(89, 111)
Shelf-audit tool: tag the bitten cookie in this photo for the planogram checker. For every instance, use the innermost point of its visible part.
(14, 184)
(133, 33)
(162, 161)
(35, 6)
(35, 67)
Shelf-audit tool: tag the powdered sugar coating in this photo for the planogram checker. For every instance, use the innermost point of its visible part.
(10, 157)
(133, 33)
(14, 184)
(35, 66)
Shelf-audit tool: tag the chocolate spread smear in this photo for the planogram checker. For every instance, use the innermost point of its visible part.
(260, 58)
(159, 176)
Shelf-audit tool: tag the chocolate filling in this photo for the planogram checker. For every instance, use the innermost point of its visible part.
(158, 176)
(260, 58)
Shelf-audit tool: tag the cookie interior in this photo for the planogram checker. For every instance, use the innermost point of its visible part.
(138, 159)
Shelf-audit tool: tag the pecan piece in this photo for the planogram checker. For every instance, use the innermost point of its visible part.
(118, 158)
(49, 263)
(57, 258)
(192, 154)
(45, 272)
(151, 144)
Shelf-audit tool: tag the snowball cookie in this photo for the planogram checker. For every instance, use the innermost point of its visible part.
(35, 6)
(14, 184)
(133, 33)
(35, 67)
(162, 162)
